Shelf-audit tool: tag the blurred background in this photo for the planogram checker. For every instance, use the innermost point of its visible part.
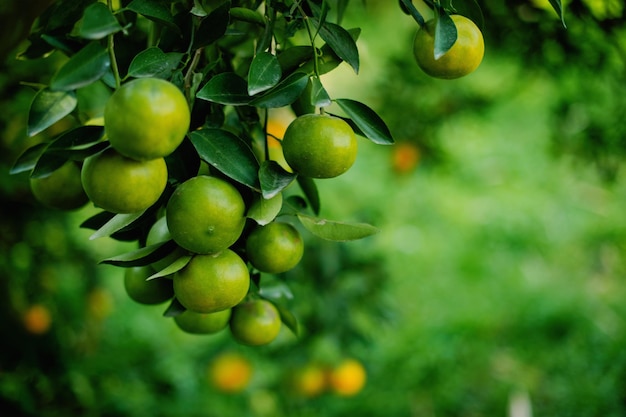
(495, 287)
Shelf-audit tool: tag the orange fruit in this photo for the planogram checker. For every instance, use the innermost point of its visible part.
(319, 146)
(37, 319)
(255, 322)
(146, 118)
(464, 56)
(309, 380)
(62, 189)
(274, 248)
(405, 157)
(347, 378)
(230, 372)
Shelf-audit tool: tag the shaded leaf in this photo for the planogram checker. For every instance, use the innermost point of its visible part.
(228, 154)
(48, 107)
(367, 120)
(557, 5)
(86, 67)
(142, 256)
(98, 22)
(174, 309)
(27, 160)
(247, 15)
(264, 73)
(341, 42)
(319, 95)
(273, 178)
(213, 26)
(153, 62)
(445, 33)
(47, 164)
(155, 10)
(336, 231)
(309, 188)
(226, 88)
(285, 93)
(118, 222)
(291, 58)
(264, 210)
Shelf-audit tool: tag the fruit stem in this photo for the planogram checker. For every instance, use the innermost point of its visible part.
(189, 74)
(110, 47)
(414, 13)
(307, 23)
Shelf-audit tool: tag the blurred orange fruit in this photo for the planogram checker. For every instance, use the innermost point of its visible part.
(347, 378)
(405, 157)
(37, 319)
(230, 372)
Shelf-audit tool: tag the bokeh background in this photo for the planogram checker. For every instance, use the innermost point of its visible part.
(496, 285)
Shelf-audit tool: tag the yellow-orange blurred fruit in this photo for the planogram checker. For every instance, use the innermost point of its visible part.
(37, 319)
(230, 372)
(309, 380)
(405, 157)
(347, 378)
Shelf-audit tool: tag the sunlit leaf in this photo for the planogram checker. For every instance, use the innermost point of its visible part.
(118, 222)
(283, 94)
(264, 210)
(445, 33)
(273, 178)
(336, 231)
(265, 73)
(86, 67)
(143, 256)
(48, 107)
(153, 62)
(174, 267)
(319, 95)
(367, 120)
(98, 22)
(226, 88)
(341, 42)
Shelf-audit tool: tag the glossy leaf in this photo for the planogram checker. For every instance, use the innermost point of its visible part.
(78, 138)
(27, 160)
(153, 62)
(273, 178)
(336, 231)
(341, 42)
(117, 223)
(213, 26)
(557, 5)
(226, 88)
(228, 154)
(445, 33)
(283, 94)
(293, 57)
(172, 268)
(410, 8)
(265, 73)
(264, 210)
(319, 95)
(366, 119)
(87, 66)
(142, 256)
(98, 22)
(48, 107)
(155, 10)
(309, 188)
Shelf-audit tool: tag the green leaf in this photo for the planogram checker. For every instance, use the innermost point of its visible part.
(98, 22)
(319, 96)
(279, 294)
(311, 193)
(174, 309)
(142, 256)
(291, 58)
(274, 178)
(264, 210)
(228, 154)
(213, 26)
(27, 160)
(78, 138)
(287, 317)
(155, 10)
(341, 42)
(472, 10)
(247, 15)
(153, 62)
(285, 93)
(48, 107)
(557, 5)
(118, 222)
(226, 88)
(336, 231)
(445, 33)
(410, 9)
(87, 66)
(175, 266)
(264, 73)
(366, 119)
(47, 164)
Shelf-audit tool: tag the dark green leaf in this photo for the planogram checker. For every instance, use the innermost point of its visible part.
(445, 33)
(274, 178)
(319, 96)
(264, 210)
(228, 154)
(118, 222)
(279, 294)
(48, 107)
(288, 319)
(78, 138)
(87, 66)
(175, 266)
(143, 256)
(341, 42)
(27, 160)
(226, 88)
(472, 10)
(557, 5)
(98, 22)
(410, 9)
(155, 10)
(153, 62)
(311, 193)
(47, 164)
(285, 93)
(336, 231)
(174, 309)
(293, 57)
(372, 126)
(265, 73)
(213, 26)
(246, 15)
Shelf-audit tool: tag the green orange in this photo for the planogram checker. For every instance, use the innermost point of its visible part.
(202, 323)
(255, 322)
(154, 291)
(274, 248)
(62, 189)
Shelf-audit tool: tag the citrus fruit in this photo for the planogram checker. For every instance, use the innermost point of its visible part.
(308, 380)
(205, 214)
(37, 319)
(230, 372)
(405, 157)
(274, 248)
(202, 323)
(347, 378)
(119, 184)
(319, 146)
(462, 58)
(62, 189)
(146, 118)
(154, 291)
(255, 322)
(210, 283)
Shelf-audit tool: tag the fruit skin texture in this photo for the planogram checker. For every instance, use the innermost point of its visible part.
(274, 248)
(62, 189)
(205, 214)
(155, 291)
(210, 283)
(146, 118)
(122, 185)
(319, 146)
(347, 378)
(255, 322)
(230, 372)
(199, 323)
(463, 58)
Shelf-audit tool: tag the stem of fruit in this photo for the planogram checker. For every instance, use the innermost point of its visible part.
(414, 13)
(110, 47)
(307, 24)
